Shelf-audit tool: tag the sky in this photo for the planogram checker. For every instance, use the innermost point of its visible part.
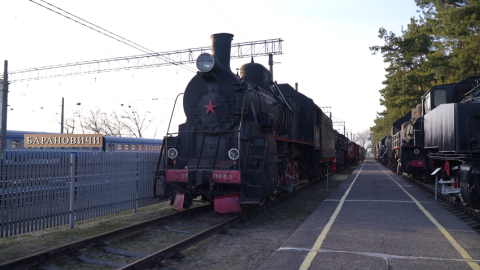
(325, 50)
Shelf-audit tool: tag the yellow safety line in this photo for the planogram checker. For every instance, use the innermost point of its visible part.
(455, 244)
(316, 247)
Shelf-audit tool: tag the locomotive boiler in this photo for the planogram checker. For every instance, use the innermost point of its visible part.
(246, 138)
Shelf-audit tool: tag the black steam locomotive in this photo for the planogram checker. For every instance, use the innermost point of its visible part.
(246, 137)
(441, 133)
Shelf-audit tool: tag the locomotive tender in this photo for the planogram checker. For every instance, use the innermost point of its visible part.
(441, 133)
(246, 138)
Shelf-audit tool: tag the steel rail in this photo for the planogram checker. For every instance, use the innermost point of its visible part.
(42, 257)
(175, 249)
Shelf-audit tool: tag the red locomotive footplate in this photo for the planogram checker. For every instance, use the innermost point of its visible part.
(176, 175)
(226, 177)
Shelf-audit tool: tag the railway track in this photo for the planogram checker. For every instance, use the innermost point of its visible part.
(45, 259)
(175, 250)
(41, 259)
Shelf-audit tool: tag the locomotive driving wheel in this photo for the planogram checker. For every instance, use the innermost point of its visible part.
(289, 177)
(296, 174)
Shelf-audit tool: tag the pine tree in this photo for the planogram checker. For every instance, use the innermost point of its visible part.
(440, 46)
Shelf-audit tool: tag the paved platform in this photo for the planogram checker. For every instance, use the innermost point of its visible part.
(376, 220)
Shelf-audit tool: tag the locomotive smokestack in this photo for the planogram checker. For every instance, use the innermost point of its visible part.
(221, 47)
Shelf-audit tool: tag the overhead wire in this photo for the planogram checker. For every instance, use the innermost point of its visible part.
(96, 26)
(224, 15)
(108, 33)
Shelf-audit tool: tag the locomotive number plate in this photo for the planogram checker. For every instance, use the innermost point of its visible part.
(231, 177)
(418, 164)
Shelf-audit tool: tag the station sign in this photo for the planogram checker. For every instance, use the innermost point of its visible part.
(62, 140)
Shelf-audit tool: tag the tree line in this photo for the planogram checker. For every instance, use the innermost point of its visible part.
(125, 123)
(439, 46)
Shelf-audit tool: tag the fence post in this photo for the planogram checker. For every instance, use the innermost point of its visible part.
(135, 179)
(327, 182)
(72, 189)
(436, 181)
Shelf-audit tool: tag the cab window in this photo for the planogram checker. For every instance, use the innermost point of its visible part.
(439, 97)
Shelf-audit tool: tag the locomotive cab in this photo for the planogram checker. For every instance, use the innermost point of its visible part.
(447, 93)
(437, 96)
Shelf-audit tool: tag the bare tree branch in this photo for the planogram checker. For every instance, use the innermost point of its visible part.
(362, 138)
(130, 122)
(93, 121)
(69, 121)
(135, 124)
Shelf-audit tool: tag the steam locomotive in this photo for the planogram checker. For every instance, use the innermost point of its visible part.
(246, 138)
(441, 135)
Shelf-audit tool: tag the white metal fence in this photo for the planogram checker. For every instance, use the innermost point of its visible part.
(46, 188)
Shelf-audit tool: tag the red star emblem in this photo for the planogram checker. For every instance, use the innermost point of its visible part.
(210, 107)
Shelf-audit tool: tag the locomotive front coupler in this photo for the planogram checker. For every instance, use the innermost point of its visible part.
(197, 178)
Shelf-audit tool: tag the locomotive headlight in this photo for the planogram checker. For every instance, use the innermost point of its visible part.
(205, 62)
(233, 154)
(172, 153)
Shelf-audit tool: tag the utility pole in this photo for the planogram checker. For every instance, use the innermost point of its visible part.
(61, 126)
(4, 107)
